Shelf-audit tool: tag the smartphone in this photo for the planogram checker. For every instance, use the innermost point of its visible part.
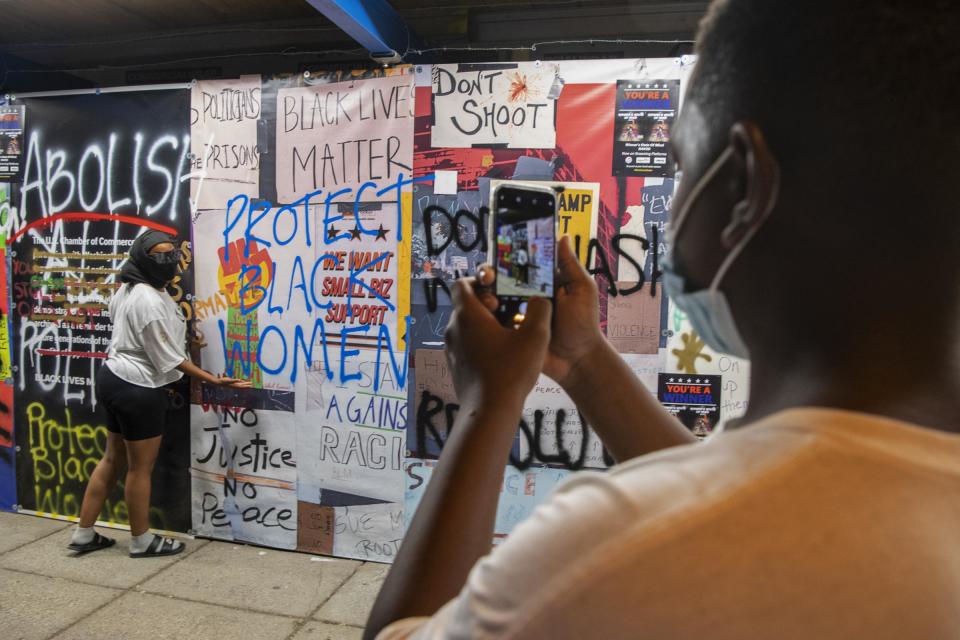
(522, 247)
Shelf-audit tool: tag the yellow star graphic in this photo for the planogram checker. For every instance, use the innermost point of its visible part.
(692, 349)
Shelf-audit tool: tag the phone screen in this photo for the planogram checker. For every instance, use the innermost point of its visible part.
(525, 240)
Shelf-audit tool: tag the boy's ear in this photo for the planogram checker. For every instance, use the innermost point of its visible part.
(761, 180)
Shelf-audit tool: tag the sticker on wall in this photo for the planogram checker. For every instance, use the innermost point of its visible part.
(643, 123)
(503, 105)
(693, 399)
(11, 141)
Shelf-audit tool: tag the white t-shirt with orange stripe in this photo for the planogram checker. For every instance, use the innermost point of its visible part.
(812, 523)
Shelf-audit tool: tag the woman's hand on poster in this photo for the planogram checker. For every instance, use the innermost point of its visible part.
(575, 332)
(233, 383)
(489, 362)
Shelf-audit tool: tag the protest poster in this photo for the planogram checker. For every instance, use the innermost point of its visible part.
(352, 447)
(494, 105)
(244, 470)
(643, 123)
(353, 441)
(433, 399)
(633, 321)
(242, 508)
(370, 532)
(224, 156)
(337, 137)
(357, 274)
(520, 493)
(449, 235)
(693, 399)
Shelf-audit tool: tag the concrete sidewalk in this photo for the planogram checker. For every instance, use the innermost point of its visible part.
(213, 590)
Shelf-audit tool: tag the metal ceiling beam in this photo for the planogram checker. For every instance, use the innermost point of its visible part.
(635, 21)
(372, 23)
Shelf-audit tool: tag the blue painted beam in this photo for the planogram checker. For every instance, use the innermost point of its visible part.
(373, 23)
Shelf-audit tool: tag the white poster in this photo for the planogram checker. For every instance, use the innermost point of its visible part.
(476, 105)
(337, 137)
(225, 158)
(520, 493)
(354, 438)
(244, 474)
(241, 441)
(547, 409)
(245, 509)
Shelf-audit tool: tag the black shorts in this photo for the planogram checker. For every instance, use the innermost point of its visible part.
(135, 412)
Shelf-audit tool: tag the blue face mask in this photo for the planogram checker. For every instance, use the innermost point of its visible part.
(708, 309)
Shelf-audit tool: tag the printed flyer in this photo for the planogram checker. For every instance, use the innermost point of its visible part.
(642, 127)
(693, 399)
(11, 141)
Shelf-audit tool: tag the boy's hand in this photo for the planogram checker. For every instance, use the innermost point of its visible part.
(575, 332)
(489, 362)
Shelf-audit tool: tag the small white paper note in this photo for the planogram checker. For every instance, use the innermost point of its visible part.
(445, 183)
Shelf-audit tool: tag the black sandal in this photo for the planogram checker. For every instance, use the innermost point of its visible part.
(160, 546)
(98, 542)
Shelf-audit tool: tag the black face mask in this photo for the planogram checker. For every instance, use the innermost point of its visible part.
(166, 264)
(155, 269)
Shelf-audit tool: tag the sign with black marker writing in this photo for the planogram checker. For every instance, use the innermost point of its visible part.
(244, 474)
(334, 137)
(520, 492)
(508, 105)
(224, 158)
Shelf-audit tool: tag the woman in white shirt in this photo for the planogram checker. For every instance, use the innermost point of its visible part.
(145, 354)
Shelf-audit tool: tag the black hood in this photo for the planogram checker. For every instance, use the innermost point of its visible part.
(140, 267)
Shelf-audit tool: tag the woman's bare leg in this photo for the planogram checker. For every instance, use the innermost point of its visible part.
(141, 456)
(102, 480)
